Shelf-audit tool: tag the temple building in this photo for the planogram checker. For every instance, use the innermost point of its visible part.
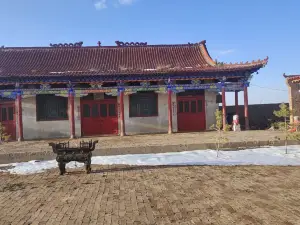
(293, 83)
(71, 90)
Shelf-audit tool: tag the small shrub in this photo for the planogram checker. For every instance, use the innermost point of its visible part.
(220, 138)
(3, 135)
(284, 112)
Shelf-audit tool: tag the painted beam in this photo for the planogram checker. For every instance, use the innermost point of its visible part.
(125, 78)
(239, 86)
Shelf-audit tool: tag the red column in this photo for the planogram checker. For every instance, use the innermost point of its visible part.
(20, 120)
(224, 108)
(71, 114)
(170, 130)
(236, 102)
(246, 107)
(122, 122)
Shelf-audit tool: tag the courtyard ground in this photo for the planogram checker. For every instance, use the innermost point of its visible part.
(154, 143)
(154, 195)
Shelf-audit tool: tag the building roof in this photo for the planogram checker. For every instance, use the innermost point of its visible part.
(113, 60)
(292, 78)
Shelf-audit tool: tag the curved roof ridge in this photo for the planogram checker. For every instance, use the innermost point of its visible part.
(291, 75)
(294, 78)
(206, 54)
(253, 62)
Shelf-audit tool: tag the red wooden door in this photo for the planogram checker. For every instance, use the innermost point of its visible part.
(191, 113)
(99, 117)
(8, 118)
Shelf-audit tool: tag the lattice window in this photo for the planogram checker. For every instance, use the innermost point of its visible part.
(144, 104)
(51, 107)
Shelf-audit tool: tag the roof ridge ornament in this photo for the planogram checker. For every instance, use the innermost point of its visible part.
(66, 45)
(248, 63)
(121, 43)
(197, 43)
(266, 59)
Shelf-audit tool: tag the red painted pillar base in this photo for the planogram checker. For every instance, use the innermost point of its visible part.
(71, 114)
(122, 118)
(19, 118)
(246, 107)
(170, 130)
(236, 102)
(224, 108)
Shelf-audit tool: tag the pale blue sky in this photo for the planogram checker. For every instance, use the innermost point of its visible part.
(235, 30)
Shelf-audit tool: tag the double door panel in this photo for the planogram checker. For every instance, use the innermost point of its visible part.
(99, 117)
(191, 113)
(8, 119)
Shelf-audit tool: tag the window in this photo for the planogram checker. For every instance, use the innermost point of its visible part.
(186, 106)
(7, 114)
(4, 114)
(193, 107)
(200, 106)
(190, 106)
(10, 113)
(86, 111)
(103, 110)
(95, 112)
(51, 107)
(180, 110)
(143, 105)
(112, 110)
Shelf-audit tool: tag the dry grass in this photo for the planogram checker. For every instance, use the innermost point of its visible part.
(154, 195)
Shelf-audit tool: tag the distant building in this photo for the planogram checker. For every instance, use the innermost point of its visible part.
(69, 90)
(293, 83)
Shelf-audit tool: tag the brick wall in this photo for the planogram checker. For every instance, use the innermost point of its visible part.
(261, 116)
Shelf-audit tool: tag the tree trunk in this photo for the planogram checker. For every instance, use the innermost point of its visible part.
(285, 142)
(218, 144)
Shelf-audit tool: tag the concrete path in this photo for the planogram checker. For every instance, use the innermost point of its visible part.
(154, 143)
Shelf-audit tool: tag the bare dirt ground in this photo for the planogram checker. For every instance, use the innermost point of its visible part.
(154, 195)
(144, 140)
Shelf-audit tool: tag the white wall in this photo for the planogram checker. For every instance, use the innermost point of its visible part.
(211, 107)
(157, 124)
(33, 129)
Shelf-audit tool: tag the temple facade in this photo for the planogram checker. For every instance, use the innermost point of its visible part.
(71, 90)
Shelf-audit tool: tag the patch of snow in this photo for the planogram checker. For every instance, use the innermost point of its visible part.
(259, 156)
(149, 69)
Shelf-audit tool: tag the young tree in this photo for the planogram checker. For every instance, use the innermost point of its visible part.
(284, 112)
(220, 138)
(3, 135)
